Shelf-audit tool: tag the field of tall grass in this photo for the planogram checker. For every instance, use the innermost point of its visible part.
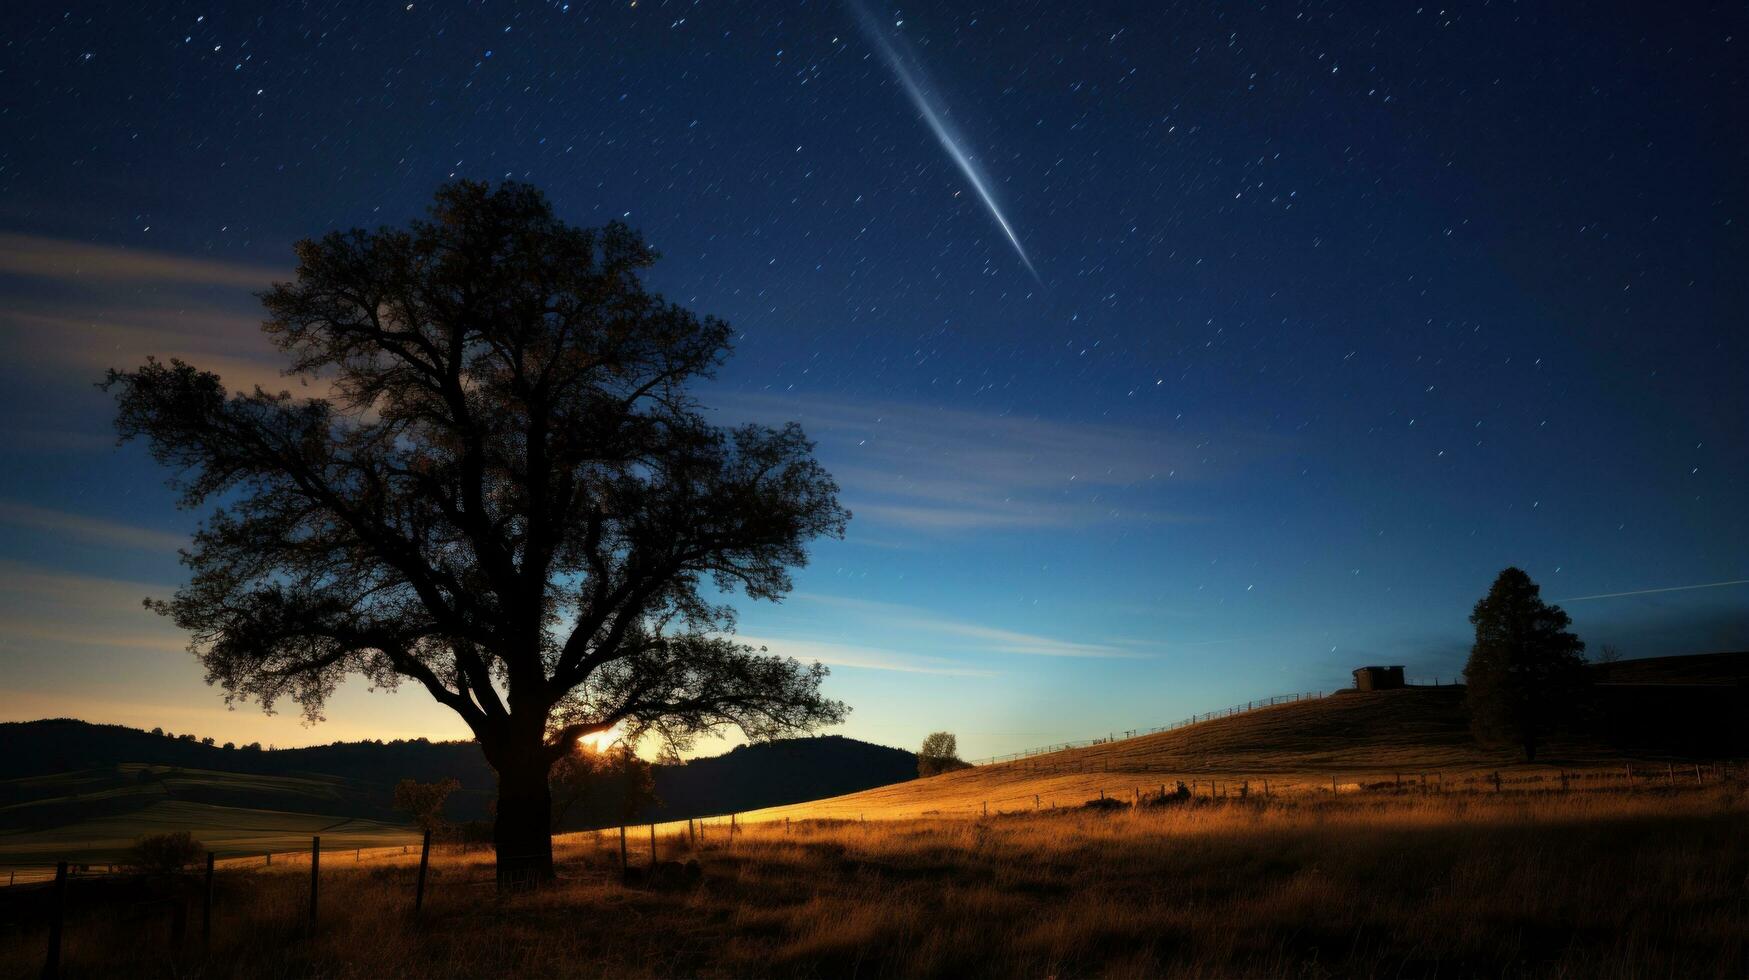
(1607, 881)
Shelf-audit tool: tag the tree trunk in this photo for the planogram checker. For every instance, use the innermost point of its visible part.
(523, 830)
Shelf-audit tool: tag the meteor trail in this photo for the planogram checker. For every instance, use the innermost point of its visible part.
(1668, 588)
(917, 86)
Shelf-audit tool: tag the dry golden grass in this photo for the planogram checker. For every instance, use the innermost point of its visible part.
(1608, 881)
(1298, 748)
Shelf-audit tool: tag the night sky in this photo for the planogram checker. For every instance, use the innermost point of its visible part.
(1168, 355)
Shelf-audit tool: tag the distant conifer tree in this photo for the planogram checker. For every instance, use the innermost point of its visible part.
(1525, 671)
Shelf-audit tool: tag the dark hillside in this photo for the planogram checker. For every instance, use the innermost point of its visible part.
(78, 763)
(787, 771)
(1686, 706)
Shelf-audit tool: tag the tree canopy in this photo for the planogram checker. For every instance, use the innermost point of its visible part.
(938, 754)
(508, 496)
(1525, 670)
(423, 802)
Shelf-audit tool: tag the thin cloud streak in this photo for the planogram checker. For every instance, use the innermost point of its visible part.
(994, 639)
(849, 655)
(1668, 588)
(85, 264)
(933, 469)
(91, 530)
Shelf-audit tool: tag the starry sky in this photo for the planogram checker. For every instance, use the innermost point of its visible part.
(1169, 355)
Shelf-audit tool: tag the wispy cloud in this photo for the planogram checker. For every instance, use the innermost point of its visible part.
(90, 530)
(91, 264)
(47, 609)
(89, 307)
(939, 469)
(989, 639)
(838, 654)
(33, 584)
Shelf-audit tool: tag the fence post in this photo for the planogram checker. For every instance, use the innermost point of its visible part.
(1697, 774)
(652, 846)
(1496, 780)
(1333, 786)
(52, 964)
(624, 867)
(206, 905)
(424, 863)
(1670, 768)
(986, 808)
(315, 876)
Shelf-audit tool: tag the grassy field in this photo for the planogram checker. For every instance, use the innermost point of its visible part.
(94, 816)
(1355, 739)
(1605, 882)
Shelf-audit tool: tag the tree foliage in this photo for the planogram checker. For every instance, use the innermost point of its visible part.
(424, 801)
(508, 497)
(164, 853)
(938, 754)
(598, 789)
(1526, 671)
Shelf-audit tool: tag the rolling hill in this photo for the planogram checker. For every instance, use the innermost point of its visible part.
(87, 791)
(96, 787)
(1662, 709)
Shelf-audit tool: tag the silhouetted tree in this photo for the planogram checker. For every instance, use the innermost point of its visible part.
(599, 788)
(424, 801)
(509, 498)
(1525, 670)
(939, 754)
(164, 853)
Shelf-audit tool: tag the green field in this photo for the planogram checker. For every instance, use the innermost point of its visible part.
(94, 816)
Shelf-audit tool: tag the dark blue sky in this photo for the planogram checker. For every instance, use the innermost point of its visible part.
(1337, 312)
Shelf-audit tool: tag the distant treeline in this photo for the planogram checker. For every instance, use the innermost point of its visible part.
(746, 778)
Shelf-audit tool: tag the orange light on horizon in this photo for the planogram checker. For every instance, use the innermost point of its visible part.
(601, 741)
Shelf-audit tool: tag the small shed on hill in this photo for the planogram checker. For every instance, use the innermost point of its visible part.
(1378, 678)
